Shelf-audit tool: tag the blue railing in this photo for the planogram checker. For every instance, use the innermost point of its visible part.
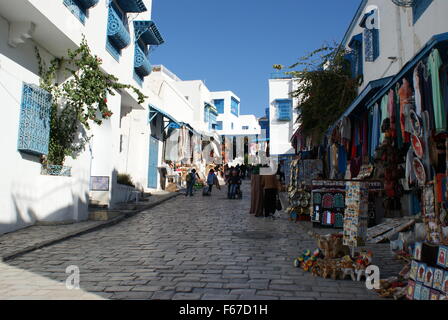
(141, 62)
(280, 75)
(116, 31)
(34, 127)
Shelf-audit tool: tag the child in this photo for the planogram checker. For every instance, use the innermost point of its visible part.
(234, 182)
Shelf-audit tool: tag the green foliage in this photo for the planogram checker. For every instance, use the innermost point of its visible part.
(78, 101)
(325, 89)
(124, 178)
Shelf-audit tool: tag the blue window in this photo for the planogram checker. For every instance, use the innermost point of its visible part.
(235, 107)
(232, 126)
(118, 36)
(245, 127)
(80, 8)
(146, 34)
(419, 7)
(355, 57)
(218, 125)
(34, 127)
(219, 104)
(283, 109)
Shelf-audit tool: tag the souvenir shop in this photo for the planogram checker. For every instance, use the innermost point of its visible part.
(395, 134)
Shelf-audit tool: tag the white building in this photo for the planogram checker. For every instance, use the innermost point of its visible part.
(131, 141)
(282, 115)
(384, 36)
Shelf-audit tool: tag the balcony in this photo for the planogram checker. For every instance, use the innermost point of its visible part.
(141, 63)
(116, 31)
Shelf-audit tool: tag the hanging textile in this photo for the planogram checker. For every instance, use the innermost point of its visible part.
(405, 94)
(409, 171)
(434, 64)
(384, 101)
(342, 160)
(375, 132)
(172, 146)
(365, 129)
(417, 92)
(427, 95)
(391, 113)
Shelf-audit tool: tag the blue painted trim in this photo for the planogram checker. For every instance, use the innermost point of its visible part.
(116, 30)
(141, 63)
(138, 79)
(76, 9)
(165, 114)
(136, 6)
(354, 23)
(148, 32)
(435, 40)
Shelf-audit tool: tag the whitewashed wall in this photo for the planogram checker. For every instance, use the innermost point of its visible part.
(281, 131)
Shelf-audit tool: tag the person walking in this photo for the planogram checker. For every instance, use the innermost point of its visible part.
(234, 182)
(211, 180)
(271, 187)
(191, 180)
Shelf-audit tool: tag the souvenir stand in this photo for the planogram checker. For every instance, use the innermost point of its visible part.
(300, 185)
(329, 201)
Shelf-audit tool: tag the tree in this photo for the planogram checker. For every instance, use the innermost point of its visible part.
(325, 88)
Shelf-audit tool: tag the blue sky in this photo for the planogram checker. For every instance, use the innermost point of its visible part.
(232, 44)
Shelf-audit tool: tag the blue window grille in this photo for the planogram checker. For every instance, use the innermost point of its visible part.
(234, 106)
(34, 127)
(218, 125)
(118, 36)
(219, 104)
(283, 110)
(141, 62)
(419, 7)
(371, 35)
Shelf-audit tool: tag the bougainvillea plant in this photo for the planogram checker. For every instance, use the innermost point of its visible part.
(78, 101)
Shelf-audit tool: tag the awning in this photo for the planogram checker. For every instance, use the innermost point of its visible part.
(148, 32)
(132, 5)
(435, 40)
(368, 92)
(154, 111)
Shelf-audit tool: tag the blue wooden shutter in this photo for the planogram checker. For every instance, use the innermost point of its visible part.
(34, 127)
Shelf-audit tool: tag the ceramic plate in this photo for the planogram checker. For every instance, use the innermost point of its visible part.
(419, 171)
(416, 124)
(417, 146)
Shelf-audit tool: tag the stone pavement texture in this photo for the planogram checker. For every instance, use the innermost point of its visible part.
(192, 248)
(37, 236)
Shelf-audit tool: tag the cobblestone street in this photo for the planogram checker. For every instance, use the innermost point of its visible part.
(188, 248)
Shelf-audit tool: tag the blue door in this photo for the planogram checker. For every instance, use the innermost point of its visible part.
(152, 164)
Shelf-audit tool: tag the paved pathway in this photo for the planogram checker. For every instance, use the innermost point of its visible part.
(191, 248)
